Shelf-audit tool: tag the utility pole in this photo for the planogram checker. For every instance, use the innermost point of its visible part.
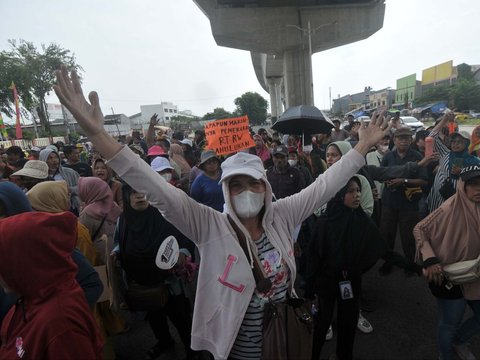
(115, 120)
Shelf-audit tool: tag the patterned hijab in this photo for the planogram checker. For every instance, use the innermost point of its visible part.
(50, 196)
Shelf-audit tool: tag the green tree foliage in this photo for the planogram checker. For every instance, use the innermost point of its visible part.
(464, 72)
(181, 122)
(253, 105)
(32, 71)
(218, 113)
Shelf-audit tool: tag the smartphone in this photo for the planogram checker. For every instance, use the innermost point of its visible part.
(428, 146)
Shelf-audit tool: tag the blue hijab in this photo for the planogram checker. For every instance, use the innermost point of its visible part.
(467, 159)
(13, 199)
(14, 202)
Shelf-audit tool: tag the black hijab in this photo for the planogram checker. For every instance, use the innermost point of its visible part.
(141, 234)
(347, 239)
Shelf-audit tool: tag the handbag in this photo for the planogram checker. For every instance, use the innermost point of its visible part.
(288, 330)
(146, 298)
(107, 293)
(463, 272)
(447, 190)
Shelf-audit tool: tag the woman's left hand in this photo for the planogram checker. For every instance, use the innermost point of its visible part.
(370, 134)
(434, 273)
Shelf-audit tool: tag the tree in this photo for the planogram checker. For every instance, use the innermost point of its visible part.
(33, 72)
(464, 72)
(253, 105)
(218, 113)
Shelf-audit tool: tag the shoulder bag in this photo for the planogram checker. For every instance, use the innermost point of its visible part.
(463, 272)
(137, 296)
(288, 326)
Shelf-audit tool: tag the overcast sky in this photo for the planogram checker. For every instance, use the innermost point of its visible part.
(147, 51)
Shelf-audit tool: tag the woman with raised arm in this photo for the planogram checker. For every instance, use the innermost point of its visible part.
(228, 315)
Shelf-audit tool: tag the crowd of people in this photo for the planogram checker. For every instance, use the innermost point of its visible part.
(89, 218)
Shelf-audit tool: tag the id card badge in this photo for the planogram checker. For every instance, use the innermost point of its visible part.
(346, 292)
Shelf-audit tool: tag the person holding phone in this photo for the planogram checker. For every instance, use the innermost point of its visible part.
(452, 160)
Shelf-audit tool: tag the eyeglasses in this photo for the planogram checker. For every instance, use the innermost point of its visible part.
(238, 186)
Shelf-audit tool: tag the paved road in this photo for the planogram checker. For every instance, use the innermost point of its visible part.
(403, 318)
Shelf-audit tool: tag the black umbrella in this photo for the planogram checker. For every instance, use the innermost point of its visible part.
(303, 120)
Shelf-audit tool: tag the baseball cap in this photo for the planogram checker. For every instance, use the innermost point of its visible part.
(243, 164)
(463, 134)
(187, 142)
(160, 163)
(33, 168)
(35, 149)
(470, 172)
(403, 131)
(282, 150)
(156, 151)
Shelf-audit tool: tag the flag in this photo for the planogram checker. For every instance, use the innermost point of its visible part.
(3, 130)
(18, 128)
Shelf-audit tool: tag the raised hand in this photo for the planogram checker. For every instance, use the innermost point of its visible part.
(154, 120)
(88, 115)
(70, 94)
(372, 133)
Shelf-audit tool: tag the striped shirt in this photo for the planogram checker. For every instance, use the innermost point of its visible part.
(248, 344)
(434, 199)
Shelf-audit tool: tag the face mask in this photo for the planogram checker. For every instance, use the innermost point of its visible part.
(167, 177)
(248, 204)
(292, 162)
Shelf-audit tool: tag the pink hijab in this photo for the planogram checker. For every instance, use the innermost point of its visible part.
(453, 233)
(98, 199)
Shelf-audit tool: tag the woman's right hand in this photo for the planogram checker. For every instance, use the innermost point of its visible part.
(434, 273)
(70, 94)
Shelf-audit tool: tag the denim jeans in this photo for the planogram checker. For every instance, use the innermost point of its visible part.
(471, 326)
(450, 314)
(450, 331)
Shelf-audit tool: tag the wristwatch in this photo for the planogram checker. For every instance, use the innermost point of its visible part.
(405, 181)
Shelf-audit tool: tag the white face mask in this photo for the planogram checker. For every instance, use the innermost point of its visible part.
(167, 177)
(248, 204)
(292, 162)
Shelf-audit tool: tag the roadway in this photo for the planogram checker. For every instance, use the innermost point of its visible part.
(403, 318)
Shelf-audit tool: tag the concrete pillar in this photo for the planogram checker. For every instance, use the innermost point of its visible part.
(275, 91)
(298, 77)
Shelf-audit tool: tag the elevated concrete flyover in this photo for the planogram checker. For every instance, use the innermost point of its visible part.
(282, 35)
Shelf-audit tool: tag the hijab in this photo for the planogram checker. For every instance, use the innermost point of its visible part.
(464, 154)
(109, 170)
(454, 228)
(141, 234)
(453, 231)
(50, 196)
(351, 241)
(98, 199)
(13, 199)
(176, 154)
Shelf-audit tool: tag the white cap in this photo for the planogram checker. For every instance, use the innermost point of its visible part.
(243, 164)
(160, 163)
(187, 142)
